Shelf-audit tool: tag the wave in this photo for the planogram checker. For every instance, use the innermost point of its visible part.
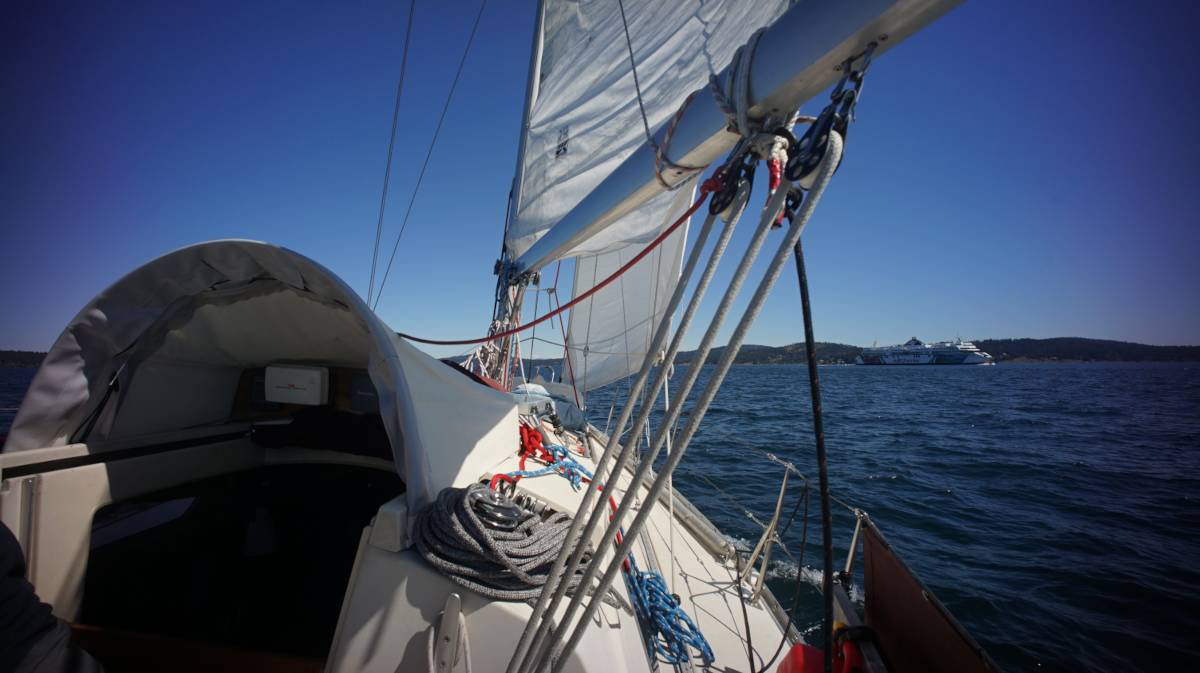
(786, 570)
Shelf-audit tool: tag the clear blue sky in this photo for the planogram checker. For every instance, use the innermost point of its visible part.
(1017, 169)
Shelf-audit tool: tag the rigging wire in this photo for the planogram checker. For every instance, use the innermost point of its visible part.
(814, 384)
(429, 152)
(566, 344)
(637, 85)
(660, 150)
(387, 170)
(533, 333)
(737, 561)
(705, 189)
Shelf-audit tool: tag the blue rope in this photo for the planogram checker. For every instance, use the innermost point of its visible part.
(563, 464)
(669, 630)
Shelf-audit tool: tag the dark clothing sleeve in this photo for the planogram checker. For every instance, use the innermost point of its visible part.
(23, 618)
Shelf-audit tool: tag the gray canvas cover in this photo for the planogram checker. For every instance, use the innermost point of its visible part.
(177, 333)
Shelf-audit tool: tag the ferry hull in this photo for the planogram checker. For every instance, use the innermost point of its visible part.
(917, 353)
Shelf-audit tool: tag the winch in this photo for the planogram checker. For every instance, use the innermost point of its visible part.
(494, 509)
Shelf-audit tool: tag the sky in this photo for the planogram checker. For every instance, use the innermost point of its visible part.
(1016, 169)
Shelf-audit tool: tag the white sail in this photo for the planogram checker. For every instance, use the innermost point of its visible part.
(609, 332)
(585, 120)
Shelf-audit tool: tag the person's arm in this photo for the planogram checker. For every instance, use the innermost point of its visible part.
(32, 640)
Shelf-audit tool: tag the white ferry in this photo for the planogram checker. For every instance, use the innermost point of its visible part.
(916, 352)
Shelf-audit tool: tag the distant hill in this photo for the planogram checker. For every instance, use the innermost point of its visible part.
(1071, 349)
(751, 354)
(1087, 350)
(21, 358)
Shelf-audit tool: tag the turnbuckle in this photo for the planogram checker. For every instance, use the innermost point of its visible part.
(805, 155)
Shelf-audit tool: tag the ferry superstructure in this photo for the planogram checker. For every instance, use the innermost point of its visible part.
(916, 352)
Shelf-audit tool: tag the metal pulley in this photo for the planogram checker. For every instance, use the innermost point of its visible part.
(739, 180)
(496, 510)
(805, 155)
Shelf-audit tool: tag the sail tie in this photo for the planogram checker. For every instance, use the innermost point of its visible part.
(736, 104)
(661, 160)
(660, 149)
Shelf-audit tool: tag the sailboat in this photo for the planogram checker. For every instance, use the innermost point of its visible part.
(228, 461)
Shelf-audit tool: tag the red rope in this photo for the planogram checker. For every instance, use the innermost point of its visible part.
(708, 186)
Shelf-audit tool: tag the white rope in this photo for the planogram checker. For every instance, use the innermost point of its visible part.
(624, 315)
(429, 154)
(387, 171)
(736, 103)
(587, 335)
(829, 163)
(537, 295)
(539, 622)
(622, 459)
(693, 372)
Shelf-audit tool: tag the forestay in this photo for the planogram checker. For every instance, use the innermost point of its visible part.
(585, 121)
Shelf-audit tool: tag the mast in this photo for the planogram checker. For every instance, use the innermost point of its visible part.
(795, 59)
(508, 304)
(531, 93)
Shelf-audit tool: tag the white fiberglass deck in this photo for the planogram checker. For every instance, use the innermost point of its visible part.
(395, 596)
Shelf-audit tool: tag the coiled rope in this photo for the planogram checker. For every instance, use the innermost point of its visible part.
(669, 630)
(504, 565)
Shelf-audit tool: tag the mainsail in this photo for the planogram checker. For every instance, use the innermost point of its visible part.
(585, 121)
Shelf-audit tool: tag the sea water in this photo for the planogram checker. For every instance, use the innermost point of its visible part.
(1054, 509)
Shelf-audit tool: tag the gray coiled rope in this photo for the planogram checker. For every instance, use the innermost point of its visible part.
(504, 565)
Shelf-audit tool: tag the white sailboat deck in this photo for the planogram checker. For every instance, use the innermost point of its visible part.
(397, 593)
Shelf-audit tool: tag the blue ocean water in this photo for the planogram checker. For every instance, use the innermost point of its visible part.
(13, 383)
(1055, 509)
